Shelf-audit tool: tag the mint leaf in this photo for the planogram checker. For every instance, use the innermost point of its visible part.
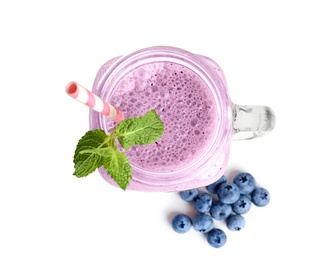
(115, 162)
(86, 161)
(117, 165)
(141, 130)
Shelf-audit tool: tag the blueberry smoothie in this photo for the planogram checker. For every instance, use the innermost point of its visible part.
(192, 151)
(182, 101)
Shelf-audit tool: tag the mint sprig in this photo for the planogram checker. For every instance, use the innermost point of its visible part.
(96, 148)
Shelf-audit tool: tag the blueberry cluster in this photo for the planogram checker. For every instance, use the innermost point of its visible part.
(230, 201)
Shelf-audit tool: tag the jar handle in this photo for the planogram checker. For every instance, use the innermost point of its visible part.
(252, 121)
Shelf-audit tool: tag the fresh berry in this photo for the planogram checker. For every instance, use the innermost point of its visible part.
(234, 199)
(228, 192)
(181, 223)
(203, 202)
(189, 195)
(242, 205)
(220, 210)
(203, 223)
(245, 181)
(235, 222)
(260, 197)
(216, 238)
(213, 187)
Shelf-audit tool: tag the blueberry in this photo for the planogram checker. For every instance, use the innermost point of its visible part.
(213, 187)
(245, 181)
(235, 222)
(189, 195)
(216, 238)
(260, 197)
(242, 205)
(220, 210)
(203, 223)
(203, 202)
(228, 192)
(181, 223)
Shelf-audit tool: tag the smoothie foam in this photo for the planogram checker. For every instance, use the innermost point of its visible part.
(183, 102)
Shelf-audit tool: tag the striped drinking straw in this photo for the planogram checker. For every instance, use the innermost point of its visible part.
(91, 100)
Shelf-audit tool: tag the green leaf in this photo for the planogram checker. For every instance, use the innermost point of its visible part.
(117, 165)
(115, 162)
(96, 148)
(85, 160)
(141, 130)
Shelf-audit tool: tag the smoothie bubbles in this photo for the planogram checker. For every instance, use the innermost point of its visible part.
(190, 95)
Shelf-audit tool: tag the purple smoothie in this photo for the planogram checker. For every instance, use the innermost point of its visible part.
(183, 102)
(193, 150)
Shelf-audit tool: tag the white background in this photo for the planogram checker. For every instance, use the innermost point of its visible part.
(271, 53)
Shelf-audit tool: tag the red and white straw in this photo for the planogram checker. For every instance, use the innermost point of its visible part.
(91, 100)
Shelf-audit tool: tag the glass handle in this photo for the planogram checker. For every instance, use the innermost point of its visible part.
(252, 121)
